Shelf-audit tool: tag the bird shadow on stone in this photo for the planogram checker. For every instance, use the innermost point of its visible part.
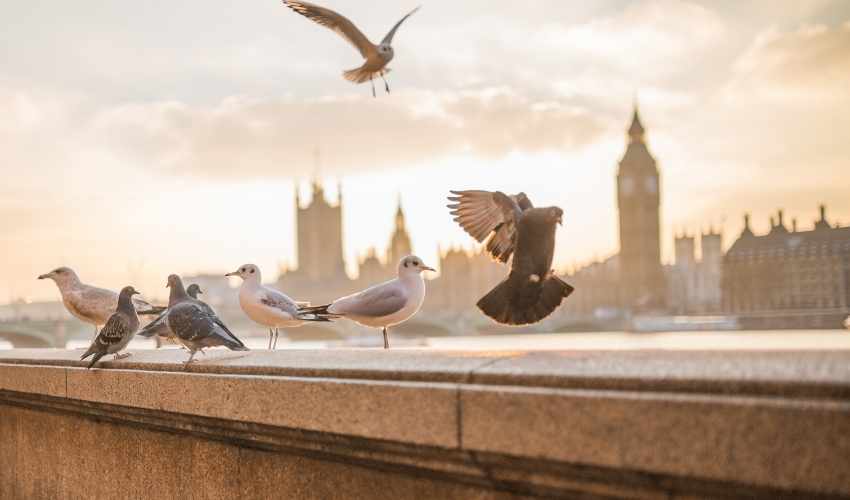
(211, 360)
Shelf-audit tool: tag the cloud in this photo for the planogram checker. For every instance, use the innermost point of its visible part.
(252, 137)
(810, 62)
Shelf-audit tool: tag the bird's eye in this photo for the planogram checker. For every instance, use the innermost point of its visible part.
(252, 271)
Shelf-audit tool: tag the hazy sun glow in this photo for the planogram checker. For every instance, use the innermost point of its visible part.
(130, 155)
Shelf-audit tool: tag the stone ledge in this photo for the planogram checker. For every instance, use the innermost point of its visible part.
(541, 423)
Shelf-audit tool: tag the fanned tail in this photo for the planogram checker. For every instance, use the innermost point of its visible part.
(362, 75)
(521, 301)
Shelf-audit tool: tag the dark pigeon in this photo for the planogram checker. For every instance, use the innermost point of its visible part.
(195, 324)
(511, 227)
(118, 331)
(158, 328)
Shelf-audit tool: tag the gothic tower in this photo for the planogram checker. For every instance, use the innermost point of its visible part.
(400, 243)
(320, 237)
(638, 198)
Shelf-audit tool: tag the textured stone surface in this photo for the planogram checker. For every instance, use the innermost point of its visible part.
(818, 373)
(785, 444)
(72, 457)
(647, 422)
(46, 380)
(421, 413)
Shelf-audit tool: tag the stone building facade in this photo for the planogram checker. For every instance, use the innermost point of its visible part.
(789, 271)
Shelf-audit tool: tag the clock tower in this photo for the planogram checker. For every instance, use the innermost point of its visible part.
(642, 284)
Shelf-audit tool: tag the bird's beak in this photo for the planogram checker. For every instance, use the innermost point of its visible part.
(167, 285)
(561, 220)
(43, 276)
(426, 268)
(234, 273)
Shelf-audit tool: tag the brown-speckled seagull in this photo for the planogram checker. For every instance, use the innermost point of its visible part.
(377, 56)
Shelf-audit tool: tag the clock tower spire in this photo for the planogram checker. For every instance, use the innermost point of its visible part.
(642, 281)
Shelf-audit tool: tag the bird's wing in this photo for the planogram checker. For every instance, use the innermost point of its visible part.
(389, 38)
(336, 22)
(190, 322)
(93, 302)
(491, 217)
(280, 301)
(375, 302)
(157, 327)
(114, 331)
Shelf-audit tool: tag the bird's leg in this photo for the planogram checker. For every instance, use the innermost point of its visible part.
(372, 81)
(386, 339)
(95, 330)
(271, 335)
(386, 85)
(191, 357)
(158, 341)
(276, 333)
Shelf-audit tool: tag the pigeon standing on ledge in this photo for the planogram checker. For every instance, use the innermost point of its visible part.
(510, 226)
(88, 303)
(377, 56)
(195, 324)
(158, 328)
(385, 305)
(270, 307)
(118, 331)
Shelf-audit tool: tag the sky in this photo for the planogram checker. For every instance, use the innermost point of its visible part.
(139, 139)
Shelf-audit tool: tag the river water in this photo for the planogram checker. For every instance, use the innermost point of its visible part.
(722, 340)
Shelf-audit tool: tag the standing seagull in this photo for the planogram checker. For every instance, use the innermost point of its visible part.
(195, 324)
(377, 56)
(119, 329)
(385, 305)
(511, 226)
(270, 307)
(88, 303)
(158, 328)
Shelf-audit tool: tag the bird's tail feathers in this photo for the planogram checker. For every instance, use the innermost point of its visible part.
(152, 311)
(95, 359)
(317, 313)
(359, 75)
(230, 340)
(522, 302)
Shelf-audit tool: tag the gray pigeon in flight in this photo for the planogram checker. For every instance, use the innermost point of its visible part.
(118, 331)
(158, 328)
(377, 56)
(510, 226)
(194, 324)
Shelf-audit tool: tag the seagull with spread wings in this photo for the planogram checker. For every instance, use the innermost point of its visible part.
(377, 56)
(511, 227)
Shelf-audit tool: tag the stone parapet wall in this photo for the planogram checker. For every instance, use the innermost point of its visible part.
(425, 424)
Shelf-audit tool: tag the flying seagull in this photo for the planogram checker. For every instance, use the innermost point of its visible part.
(510, 226)
(194, 324)
(377, 56)
(88, 303)
(158, 328)
(270, 307)
(385, 305)
(118, 331)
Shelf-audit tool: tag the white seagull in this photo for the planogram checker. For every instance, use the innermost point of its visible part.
(377, 56)
(385, 305)
(270, 307)
(91, 304)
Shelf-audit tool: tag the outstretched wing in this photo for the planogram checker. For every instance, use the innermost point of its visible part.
(388, 40)
(490, 217)
(336, 22)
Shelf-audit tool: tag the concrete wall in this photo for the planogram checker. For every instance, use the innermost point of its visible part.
(424, 424)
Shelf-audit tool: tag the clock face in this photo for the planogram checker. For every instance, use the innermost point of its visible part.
(651, 185)
(627, 185)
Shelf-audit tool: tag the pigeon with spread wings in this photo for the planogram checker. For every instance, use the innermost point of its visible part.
(377, 56)
(511, 227)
